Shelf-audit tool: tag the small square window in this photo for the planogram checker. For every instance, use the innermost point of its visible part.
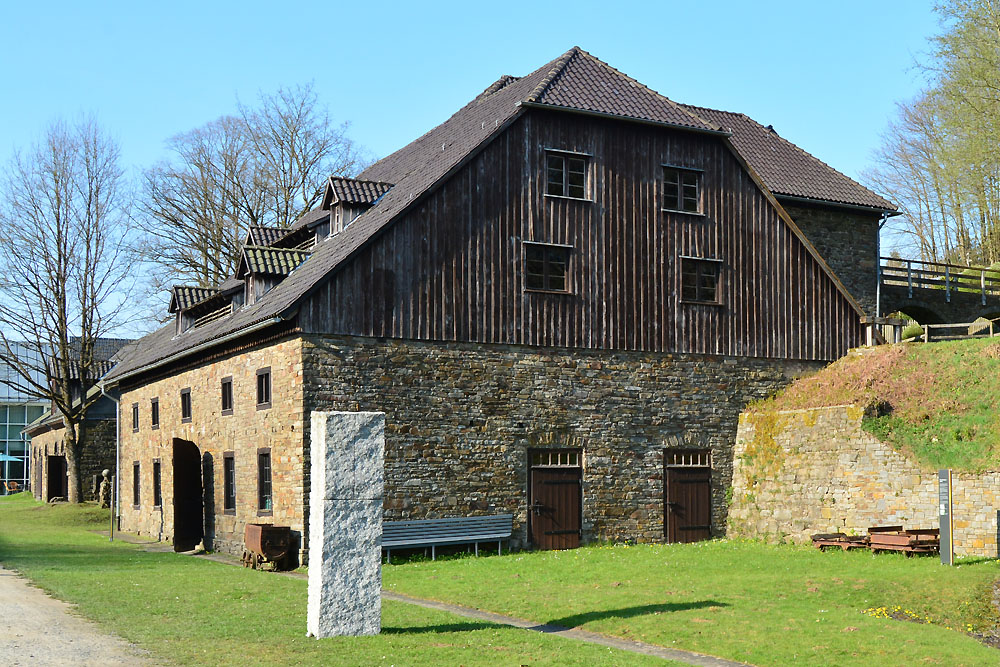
(546, 267)
(186, 405)
(157, 497)
(700, 280)
(264, 481)
(135, 417)
(681, 190)
(154, 413)
(227, 396)
(264, 388)
(135, 485)
(229, 482)
(566, 175)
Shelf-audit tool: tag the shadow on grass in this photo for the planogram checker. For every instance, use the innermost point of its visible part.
(442, 627)
(629, 612)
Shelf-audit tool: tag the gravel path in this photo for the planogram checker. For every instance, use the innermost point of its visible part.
(39, 630)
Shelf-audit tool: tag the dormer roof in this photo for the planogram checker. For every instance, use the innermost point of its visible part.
(353, 191)
(183, 297)
(270, 261)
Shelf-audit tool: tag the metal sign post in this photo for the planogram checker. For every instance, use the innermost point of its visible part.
(946, 516)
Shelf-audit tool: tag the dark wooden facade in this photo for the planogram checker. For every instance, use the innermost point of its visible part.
(452, 268)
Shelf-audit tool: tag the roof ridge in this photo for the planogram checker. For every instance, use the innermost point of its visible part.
(558, 65)
(676, 105)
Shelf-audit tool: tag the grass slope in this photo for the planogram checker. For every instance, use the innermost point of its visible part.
(193, 611)
(937, 403)
(768, 605)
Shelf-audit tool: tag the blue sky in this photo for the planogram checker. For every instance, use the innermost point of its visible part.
(826, 75)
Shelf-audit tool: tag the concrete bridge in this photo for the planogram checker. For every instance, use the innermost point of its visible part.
(936, 292)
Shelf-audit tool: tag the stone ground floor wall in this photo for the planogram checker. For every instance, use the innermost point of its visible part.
(461, 419)
(98, 454)
(815, 471)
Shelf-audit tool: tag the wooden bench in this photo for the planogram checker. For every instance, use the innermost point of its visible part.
(434, 532)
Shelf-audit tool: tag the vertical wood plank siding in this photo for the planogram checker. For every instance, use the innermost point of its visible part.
(452, 268)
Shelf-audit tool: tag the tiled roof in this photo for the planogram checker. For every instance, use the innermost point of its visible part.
(271, 261)
(264, 236)
(575, 80)
(586, 83)
(353, 191)
(183, 297)
(97, 369)
(785, 168)
(308, 219)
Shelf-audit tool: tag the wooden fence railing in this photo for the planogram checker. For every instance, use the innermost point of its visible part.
(949, 278)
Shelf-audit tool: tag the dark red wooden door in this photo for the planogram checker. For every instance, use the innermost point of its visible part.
(689, 504)
(554, 508)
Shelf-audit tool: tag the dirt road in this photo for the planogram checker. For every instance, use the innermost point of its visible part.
(38, 630)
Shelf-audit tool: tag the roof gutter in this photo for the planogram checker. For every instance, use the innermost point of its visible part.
(888, 212)
(197, 348)
(631, 119)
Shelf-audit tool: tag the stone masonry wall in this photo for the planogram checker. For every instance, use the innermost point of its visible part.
(460, 419)
(848, 241)
(280, 427)
(98, 454)
(815, 471)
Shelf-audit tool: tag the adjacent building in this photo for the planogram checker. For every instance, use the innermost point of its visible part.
(562, 297)
(18, 407)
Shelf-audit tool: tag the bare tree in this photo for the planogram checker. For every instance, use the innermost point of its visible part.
(266, 166)
(64, 269)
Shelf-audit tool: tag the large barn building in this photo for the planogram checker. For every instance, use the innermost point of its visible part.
(562, 297)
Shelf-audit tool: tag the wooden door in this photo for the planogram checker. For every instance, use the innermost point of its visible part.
(688, 511)
(554, 507)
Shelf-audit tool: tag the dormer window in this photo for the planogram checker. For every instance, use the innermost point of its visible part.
(566, 174)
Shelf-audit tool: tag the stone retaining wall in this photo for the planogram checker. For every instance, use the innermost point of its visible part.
(815, 471)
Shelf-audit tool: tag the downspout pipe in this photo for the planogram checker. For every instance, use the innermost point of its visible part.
(115, 500)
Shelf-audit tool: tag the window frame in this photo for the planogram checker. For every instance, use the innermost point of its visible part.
(226, 382)
(263, 373)
(699, 189)
(135, 417)
(546, 248)
(565, 156)
(136, 485)
(154, 413)
(186, 419)
(157, 485)
(262, 480)
(228, 486)
(701, 262)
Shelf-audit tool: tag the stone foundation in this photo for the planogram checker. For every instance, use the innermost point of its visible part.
(461, 418)
(815, 471)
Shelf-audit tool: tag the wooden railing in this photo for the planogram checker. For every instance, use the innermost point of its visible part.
(949, 278)
(979, 329)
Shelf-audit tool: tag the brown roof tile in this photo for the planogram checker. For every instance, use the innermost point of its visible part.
(586, 83)
(785, 168)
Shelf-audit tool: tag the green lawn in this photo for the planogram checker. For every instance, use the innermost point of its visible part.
(768, 605)
(193, 611)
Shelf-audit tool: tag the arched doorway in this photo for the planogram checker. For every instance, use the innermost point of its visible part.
(189, 514)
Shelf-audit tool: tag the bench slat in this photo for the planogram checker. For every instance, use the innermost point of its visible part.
(430, 532)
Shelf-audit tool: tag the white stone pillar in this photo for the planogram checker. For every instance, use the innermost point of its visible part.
(345, 524)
